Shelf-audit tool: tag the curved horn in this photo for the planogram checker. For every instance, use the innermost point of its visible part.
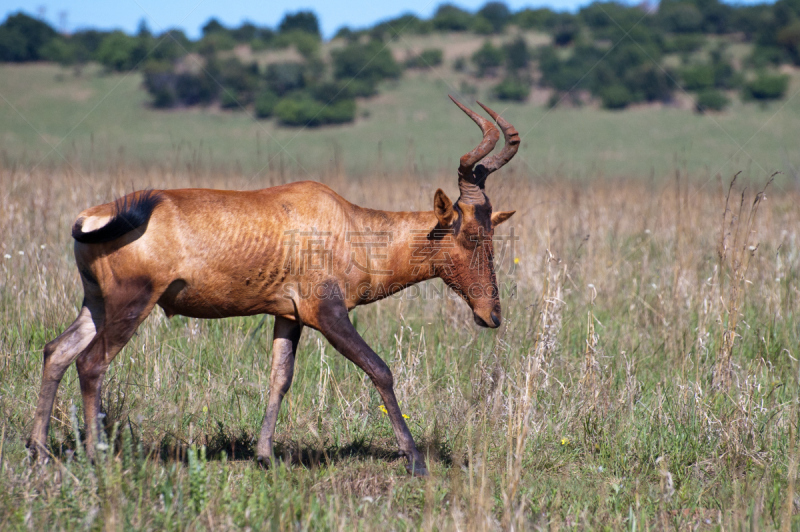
(511, 137)
(490, 138)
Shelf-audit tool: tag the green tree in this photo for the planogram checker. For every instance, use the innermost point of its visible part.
(767, 87)
(535, 19)
(119, 52)
(616, 97)
(283, 78)
(213, 26)
(517, 54)
(513, 88)
(22, 37)
(371, 62)
(711, 100)
(487, 57)
(426, 59)
(265, 104)
(449, 17)
(497, 14)
(302, 20)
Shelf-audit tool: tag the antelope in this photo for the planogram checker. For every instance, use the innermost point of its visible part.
(213, 254)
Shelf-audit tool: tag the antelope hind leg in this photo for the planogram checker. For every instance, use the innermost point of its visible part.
(58, 355)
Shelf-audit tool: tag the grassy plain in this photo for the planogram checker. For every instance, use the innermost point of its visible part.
(593, 406)
(600, 403)
(411, 126)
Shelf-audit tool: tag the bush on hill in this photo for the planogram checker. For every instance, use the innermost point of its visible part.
(513, 88)
(767, 87)
(426, 59)
(371, 62)
(711, 100)
(487, 59)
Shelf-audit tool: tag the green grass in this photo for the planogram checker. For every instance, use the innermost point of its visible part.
(544, 423)
(411, 126)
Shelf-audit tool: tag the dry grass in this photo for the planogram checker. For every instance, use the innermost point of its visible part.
(593, 406)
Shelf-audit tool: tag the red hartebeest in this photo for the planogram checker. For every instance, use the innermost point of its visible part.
(213, 254)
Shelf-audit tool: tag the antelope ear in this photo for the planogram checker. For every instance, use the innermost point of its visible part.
(443, 208)
(500, 217)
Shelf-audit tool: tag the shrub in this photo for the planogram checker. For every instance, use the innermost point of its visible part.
(228, 99)
(481, 25)
(565, 33)
(698, 77)
(215, 42)
(305, 21)
(195, 89)
(449, 17)
(119, 52)
(517, 54)
(535, 19)
(487, 57)
(241, 78)
(299, 111)
(340, 112)
(767, 87)
(60, 51)
(265, 104)
(426, 59)
(512, 88)
(685, 43)
(763, 56)
(159, 80)
(680, 17)
(213, 26)
(497, 14)
(372, 61)
(306, 43)
(616, 97)
(404, 24)
(711, 100)
(789, 38)
(652, 83)
(285, 77)
(302, 110)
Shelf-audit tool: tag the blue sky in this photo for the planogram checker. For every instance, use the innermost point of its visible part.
(190, 15)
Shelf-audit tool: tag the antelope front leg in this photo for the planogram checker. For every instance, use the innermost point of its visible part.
(334, 324)
(284, 346)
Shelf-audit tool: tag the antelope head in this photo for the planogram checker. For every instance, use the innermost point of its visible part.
(467, 226)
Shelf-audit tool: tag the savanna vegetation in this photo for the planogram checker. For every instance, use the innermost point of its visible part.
(607, 52)
(646, 374)
(645, 377)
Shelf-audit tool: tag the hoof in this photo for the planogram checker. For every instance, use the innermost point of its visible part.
(37, 452)
(264, 462)
(417, 469)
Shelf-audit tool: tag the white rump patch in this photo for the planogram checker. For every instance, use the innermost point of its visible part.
(91, 223)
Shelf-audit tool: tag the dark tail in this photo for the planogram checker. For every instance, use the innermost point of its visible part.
(131, 212)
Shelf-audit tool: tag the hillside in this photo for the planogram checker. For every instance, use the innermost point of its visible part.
(411, 125)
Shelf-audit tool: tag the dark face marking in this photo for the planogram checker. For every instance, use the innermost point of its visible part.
(471, 273)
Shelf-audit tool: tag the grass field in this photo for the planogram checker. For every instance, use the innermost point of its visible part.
(410, 127)
(645, 376)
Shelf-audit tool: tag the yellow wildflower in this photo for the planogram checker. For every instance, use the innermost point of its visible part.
(564, 441)
(516, 260)
(383, 409)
